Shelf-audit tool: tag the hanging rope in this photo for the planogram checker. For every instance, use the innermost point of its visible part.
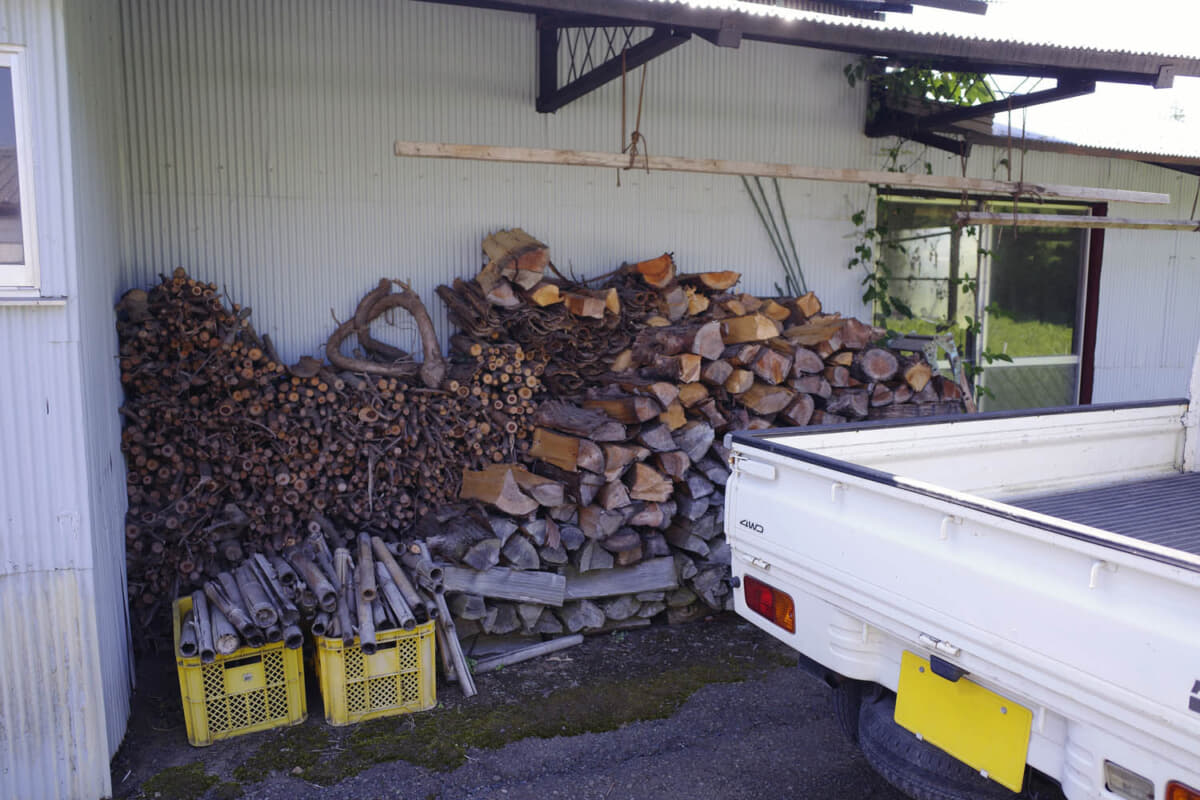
(636, 144)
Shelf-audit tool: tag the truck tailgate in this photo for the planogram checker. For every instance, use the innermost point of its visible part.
(1058, 615)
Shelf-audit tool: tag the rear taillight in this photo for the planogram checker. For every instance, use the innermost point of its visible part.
(1177, 791)
(771, 603)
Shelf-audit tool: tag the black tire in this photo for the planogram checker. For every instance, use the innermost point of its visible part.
(917, 768)
(847, 702)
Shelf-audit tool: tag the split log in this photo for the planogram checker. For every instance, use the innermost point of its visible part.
(749, 328)
(695, 438)
(715, 373)
(815, 331)
(806, 362)
(850, 403)
(739, 381)
(626, 410)
(519, 552)
(599, 523)
(483, 555)
(567, 418)
(916, 371)
(657, 272)
(581, 615)
(497, 486)
(800, 411)
(592, 556)
(773, 366)
(764, 399)
(656, 437)
(712, 281)
(645, 483)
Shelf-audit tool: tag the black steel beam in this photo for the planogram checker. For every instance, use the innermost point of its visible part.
(547, 56)
(959, 147)
(903, 124)
(661, 41)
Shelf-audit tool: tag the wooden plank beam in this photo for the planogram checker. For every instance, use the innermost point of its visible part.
(1073, 221)
(502, 583)
(712, 166)
(647, 576)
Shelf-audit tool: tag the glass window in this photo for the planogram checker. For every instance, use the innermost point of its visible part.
(18, 264)
(1015, 293)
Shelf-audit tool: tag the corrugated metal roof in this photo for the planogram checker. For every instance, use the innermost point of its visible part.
(1017, 22)
(1125, 121)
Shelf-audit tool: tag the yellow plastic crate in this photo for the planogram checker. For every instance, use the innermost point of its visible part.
(399, 678)
(251, 689)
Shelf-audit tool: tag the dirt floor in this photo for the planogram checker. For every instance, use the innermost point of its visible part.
(616, 687)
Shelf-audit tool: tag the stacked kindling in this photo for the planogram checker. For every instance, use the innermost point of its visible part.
(228, 451)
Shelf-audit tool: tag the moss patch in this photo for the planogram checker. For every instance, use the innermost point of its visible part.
(293, 750)
(439, 740)
(188, 782)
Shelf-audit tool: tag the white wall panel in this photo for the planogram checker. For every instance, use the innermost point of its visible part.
(97, 134)
(64, 685)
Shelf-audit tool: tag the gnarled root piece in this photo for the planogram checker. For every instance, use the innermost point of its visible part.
(433, 370)
(398, 364)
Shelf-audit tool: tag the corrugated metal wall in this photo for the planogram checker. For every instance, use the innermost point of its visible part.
(261, 155)
(97, 168)
(63, 690)
(261, 138)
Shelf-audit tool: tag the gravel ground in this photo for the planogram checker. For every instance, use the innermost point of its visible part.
(770, 734)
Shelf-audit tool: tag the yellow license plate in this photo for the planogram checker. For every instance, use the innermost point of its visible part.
(978, 727)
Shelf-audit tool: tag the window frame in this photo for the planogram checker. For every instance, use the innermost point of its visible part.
(1083, 346)
(22, 280)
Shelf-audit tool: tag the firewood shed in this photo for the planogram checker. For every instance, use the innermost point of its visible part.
(271, 149)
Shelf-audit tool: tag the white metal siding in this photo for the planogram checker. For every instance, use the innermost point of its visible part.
(97, 136)
(59, 677)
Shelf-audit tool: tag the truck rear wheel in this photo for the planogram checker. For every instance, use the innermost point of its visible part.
(917, 768)
(847, 704)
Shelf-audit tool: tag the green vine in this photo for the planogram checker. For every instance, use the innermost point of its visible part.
(874, 241)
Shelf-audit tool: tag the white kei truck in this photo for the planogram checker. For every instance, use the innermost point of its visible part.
(1002, 603)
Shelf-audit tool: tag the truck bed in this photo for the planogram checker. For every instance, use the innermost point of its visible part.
(1163, 511)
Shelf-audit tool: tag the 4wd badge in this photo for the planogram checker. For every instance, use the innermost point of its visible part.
(757, 528)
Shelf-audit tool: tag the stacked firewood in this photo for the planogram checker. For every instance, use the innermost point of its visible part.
(228, 451)
(625, 465)
(572, 435)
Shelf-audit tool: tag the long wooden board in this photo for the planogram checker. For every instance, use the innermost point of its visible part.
(502, 583)
(1074, 221)
(713, 166)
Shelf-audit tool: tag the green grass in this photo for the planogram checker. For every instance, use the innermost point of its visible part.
(1005, 335)
(1027, 337)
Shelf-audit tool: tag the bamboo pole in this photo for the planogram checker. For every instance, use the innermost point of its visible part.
(1073, 221)
(713, 166)
(526, 653)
